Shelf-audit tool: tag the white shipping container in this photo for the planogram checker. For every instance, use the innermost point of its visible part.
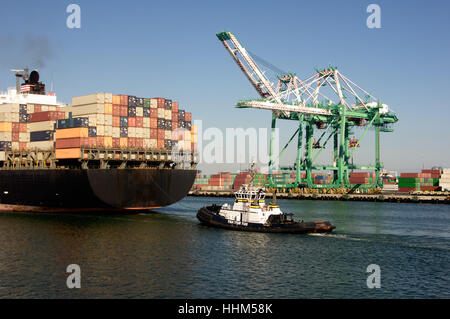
(168, 115)
(15, 146)
(88, 109)
(96, 98)
(115, 132)
(42, 145)
(108, 97)
(2, 156)
(100, 130)
(100, 119)
(30, 108)
(5, 136)
(154, 103)
(131, 132)
(146, 122)
(24, 137)
(5, 117)
(161, 113)
(52, 108)
(146, 133)
(139, 111)
(168, 134)
(15, 117)
(44, 108)
(139, 132)
(9, 107)
(109, 131)
(108, 119)
(41, 126)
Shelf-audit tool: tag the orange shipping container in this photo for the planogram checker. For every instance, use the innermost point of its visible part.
(160, 144)
(139, 142)
(139, 121)
(68, 153)
(154, 122)
(108, 141)
(131, 142)
(174, 106)
(131, 122)
(123, 142)
(23, 127)
(116, 99)
(100, 141)
(124, 100)
(72, 132)
(5, 126)
(108, 108)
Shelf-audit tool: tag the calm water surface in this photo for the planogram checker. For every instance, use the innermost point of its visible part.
(167, 254)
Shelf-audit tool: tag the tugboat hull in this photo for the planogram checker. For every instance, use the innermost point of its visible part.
(208, 215)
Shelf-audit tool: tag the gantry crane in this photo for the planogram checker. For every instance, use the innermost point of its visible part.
(306, 102)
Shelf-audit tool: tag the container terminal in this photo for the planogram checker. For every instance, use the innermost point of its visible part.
(104, 151)
(334, 106)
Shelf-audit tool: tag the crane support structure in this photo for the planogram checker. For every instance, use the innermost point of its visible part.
(306, 102)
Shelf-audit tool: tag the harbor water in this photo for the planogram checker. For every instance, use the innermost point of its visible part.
(166, 253)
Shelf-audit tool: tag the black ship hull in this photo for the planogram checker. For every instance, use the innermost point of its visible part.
(208, 215)
(111, 189)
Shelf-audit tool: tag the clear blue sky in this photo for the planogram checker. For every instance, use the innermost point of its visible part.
(169, 48)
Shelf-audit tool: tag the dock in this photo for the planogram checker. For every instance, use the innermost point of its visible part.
(393, 197)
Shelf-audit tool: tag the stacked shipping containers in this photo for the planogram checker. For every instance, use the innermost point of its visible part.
(444, 181)
(427, 180)
(27, 126)
(129, 122)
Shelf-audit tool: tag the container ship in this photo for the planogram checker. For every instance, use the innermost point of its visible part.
(102, 152)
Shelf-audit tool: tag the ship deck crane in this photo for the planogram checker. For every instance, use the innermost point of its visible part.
(306, 102)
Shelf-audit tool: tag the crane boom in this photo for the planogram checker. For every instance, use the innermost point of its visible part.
(256, 76)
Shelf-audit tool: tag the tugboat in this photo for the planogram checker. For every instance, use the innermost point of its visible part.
(250, 213)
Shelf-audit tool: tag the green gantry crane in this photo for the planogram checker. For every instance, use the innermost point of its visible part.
(306, 102)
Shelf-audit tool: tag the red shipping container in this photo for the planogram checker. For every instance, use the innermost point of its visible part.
(100, 141)
(23, 127)
(139, 121)
(45, 116)
(430, 188)
(174, 106)
(116, 142)
(154, 133)
(431, 171)
(131, 122)
(124, 110)
(123, 100)
(15, 128)
(15, 137)
(406, 189)
(188, 116)
(92, 141)
(116, 110)
(61, 115)
(160, 101)
(160, 144)
(153, 113)
(161, 134)
(116, 121)
(410, 175)
(174, 117)
(37, 108)
(71, 142)
(139, 142)
(132, 142)
(154, 122)
(22, 146)
(174, 125)
(360, 174)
